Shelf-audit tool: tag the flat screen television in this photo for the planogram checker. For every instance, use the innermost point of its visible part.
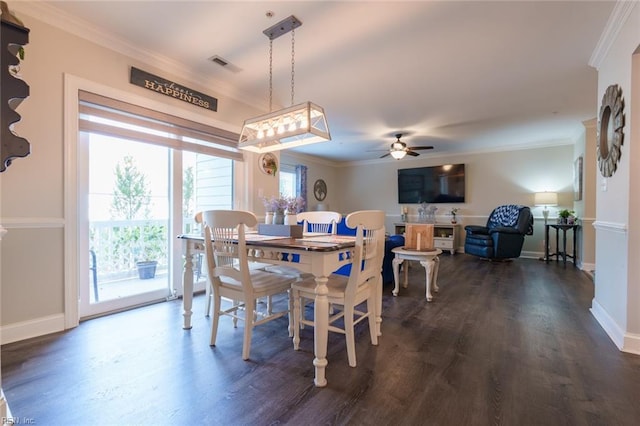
(436, 184)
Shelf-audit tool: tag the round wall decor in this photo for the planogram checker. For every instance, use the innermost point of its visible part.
(320, 190)
(610, 136)
(268, 164)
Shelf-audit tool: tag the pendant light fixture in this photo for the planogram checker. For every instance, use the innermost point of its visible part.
(297, 125)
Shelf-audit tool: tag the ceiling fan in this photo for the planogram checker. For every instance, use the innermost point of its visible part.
(399, 149)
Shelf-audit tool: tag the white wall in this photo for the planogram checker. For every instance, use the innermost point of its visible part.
(491, 179)
(34, 269)
(617, 285)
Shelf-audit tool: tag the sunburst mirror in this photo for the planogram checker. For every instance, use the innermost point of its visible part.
(610, 135)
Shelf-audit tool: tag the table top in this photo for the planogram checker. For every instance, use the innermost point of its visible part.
(309, 242)
(425, 251)
(562, 225)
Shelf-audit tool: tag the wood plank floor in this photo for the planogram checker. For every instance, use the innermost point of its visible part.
(501, 344)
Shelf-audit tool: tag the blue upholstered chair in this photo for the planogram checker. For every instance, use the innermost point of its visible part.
(503, 236)
(390, 243)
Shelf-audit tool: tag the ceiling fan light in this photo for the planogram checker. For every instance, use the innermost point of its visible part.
(398, 154)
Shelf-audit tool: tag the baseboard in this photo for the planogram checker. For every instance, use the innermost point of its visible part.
(631, 343)
(615, 333)
(588, 267)
(27, 329)
(532, 254)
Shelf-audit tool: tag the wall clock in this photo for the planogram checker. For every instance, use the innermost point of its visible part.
(320, 190)
(610, 136)
(268, 164)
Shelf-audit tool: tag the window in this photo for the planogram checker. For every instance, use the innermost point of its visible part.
(288, 181)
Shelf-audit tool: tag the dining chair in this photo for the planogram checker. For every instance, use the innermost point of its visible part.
(346, 294)
(319, 221)
(314, 221)
(229, 274)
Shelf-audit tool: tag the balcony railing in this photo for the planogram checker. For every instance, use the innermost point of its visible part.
(118, 245)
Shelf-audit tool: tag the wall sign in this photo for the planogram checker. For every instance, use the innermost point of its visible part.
(174, 90)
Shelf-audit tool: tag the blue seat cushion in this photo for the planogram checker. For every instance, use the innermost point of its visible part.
(387, 263)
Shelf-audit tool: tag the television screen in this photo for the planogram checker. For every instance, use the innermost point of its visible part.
(437, 184)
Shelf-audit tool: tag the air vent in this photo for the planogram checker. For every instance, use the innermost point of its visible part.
(218, 60)
(224, 63)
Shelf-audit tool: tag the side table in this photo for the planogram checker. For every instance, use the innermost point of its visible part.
(564, 228)
(427, 258)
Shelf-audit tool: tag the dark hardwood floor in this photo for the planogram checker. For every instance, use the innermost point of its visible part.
(507, 343)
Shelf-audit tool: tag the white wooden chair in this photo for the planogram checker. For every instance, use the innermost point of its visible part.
(324, 221)
(315, 221)
(363, 284)
(229, 274)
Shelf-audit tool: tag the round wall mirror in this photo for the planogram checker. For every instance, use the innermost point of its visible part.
(320, 190)
(610, 134)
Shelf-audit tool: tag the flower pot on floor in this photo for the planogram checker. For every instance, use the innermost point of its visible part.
(147, 269)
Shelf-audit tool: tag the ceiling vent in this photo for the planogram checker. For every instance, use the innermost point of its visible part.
(224, 63)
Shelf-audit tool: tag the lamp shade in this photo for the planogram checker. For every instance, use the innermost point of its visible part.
(546, 199)
(398, 154)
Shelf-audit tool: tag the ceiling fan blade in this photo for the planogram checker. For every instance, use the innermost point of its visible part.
(410, 152)
(385, 155)
(421, 147)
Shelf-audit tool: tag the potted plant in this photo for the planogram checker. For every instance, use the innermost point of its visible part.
(564, 215)
(151, 242)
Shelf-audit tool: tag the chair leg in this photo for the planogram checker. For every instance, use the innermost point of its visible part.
(297, 315)
(373, 323)
(350, 335)
(290, 316)
(209, 296)
(269, 306)
(214, 322)
(235, 319)
(249, 318)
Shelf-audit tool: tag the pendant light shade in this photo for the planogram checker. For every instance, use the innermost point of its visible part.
(297, 125)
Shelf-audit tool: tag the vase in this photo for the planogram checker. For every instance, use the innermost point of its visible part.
(290, 219)
(278, 218)
(268, 217)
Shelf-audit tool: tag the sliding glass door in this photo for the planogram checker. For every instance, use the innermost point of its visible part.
(142, 176)
(128, 216)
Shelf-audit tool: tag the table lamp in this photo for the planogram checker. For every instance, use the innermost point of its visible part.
(546, 199)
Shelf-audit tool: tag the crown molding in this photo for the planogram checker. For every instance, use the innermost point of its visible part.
(619, 15)
(55, 17)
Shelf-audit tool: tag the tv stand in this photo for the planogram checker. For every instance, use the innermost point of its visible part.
(445, 235)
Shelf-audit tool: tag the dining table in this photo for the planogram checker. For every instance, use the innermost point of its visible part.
(315, 253)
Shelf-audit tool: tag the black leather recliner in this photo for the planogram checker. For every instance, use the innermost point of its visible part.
(503, 236)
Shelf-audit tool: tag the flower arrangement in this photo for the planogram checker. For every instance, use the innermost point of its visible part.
(294, 204)
(282, 204)
(453, 212)
(274, 204)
